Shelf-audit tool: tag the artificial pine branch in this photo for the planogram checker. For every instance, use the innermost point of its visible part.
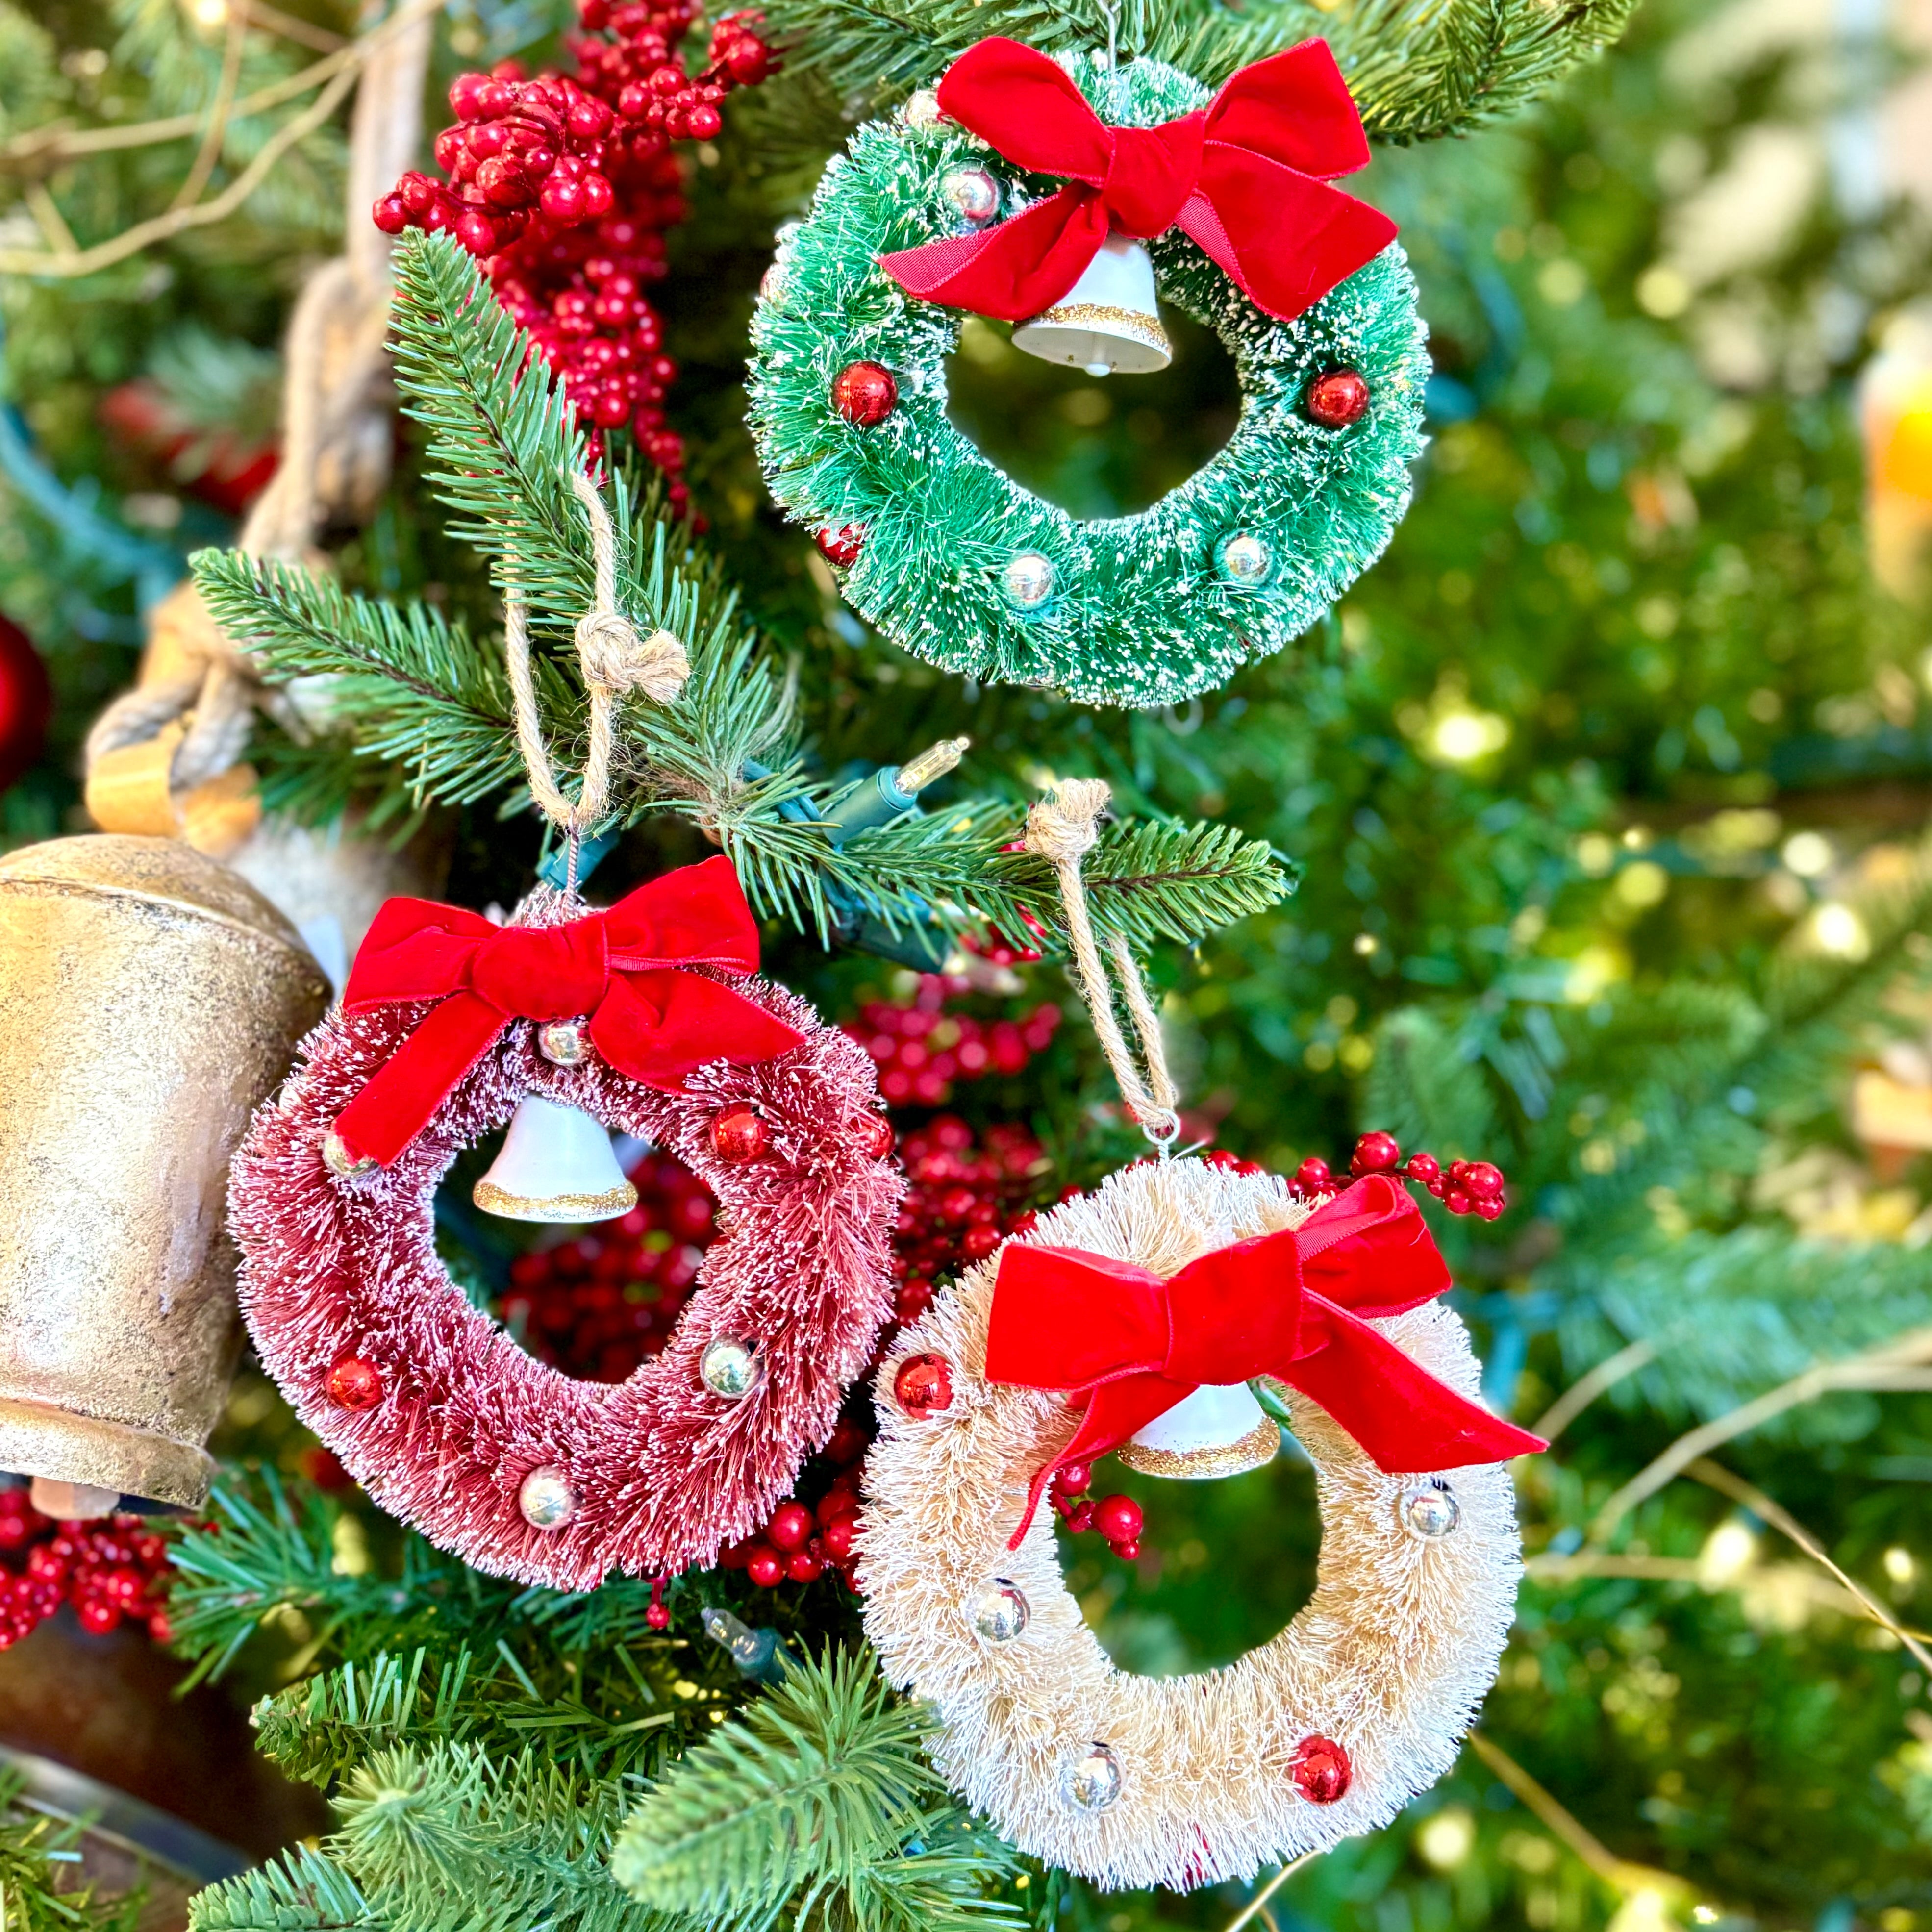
(1419, 69)
(37, 1890)
(416, 694)
(820, 1800)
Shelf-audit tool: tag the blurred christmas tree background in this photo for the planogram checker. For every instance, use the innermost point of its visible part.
(1609, 792)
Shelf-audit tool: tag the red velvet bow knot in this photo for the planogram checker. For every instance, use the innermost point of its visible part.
(1294, 1306)
(1246, 177)
(651, 1018)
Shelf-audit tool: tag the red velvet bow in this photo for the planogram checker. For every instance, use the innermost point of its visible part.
(649, 1018)
(1288, 1305)
(1246, 177)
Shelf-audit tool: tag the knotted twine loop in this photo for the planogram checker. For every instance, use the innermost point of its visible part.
(1062, 828)
(615, 662)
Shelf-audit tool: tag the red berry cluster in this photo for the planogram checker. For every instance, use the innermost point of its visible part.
(597, 1306)
(107, 1570)
(1464, 1187)
(801, 1542)
(921, 1049)
(1117, 1518)
(962, 1200)
(564, 186)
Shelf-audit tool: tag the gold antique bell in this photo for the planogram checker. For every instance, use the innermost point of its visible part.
(150, 999)
(1108, 320)
(556, 1164)
(1216, 1431)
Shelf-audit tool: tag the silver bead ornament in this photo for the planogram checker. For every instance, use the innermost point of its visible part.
(1245, 559)
(1429, 1510)
(341, 1163)
(1028, 579)
(565, 1042)
(1092, 1783)
(974, 193)
(546, 1498)
(998, 1611)
(728, 1368)
(922, 110)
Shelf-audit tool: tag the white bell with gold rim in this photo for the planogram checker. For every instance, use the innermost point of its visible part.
(556, 1164)
(1108, 321)
(1216, 1431)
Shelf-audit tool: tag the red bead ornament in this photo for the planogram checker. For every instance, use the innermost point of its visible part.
(842, 546)
(840, 1538)
(875, 1135)
(1375, 1153)
(740, 1134)
(1117, 1518)
(355, 1384)
(657, 1612)
(865, 393)
(765, 1566)
(1480, 1178)
(923, 1385)
(1424, 1168)
(1337, 399)
(1320, 1770)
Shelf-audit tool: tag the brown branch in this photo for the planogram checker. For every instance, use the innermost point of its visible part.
(209, 152)
(1257, 1906)
(1578, 1396)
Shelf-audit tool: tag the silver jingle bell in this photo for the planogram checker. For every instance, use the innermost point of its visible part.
(998, 1611)
(565, 1042)
(546, 1498)
(1028, 579)
(728, 1368)
(1245, 560)
(974, 193)
(1429, 1510)
(341, 1163)
(1092, 1783)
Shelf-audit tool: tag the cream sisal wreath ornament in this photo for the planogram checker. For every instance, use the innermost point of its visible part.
(1134, 1315)
(1325, 1732)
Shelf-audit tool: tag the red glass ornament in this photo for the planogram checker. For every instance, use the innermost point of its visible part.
(765, 1566)
(355, 1384)
(841, 546)
(791, 1526)
(923, 1385)
(1337, 399)
(1375, 1153)
(740, 1134)
(1320, 1770)
(26, 702)
(1117, 1518)
(865, 393)
(874, 1136)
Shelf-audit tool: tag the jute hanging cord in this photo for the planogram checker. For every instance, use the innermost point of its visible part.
(1063, 829)
(615, 662)
(187, 722)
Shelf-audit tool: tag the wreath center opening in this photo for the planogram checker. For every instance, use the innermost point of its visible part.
(1136, 437)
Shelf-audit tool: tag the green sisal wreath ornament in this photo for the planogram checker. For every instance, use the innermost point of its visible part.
(946, 554)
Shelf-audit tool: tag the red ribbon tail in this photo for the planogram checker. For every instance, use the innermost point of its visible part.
(1402, 1417)
(1015, 270)
(1114, 1411)
(409, 1087)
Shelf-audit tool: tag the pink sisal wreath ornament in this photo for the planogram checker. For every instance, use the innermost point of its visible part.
(645, 1017)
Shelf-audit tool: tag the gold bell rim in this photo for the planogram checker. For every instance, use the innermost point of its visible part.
(1253, 1450)
(42, 1438)
(1136, 323)
(562, 1208)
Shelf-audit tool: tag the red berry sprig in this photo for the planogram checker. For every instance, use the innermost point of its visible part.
(563, 187)
(963, 1198)
(922, 1049)
(108, 1570)
(1464, 1187)
(1117, 1518)
(801, 1542)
